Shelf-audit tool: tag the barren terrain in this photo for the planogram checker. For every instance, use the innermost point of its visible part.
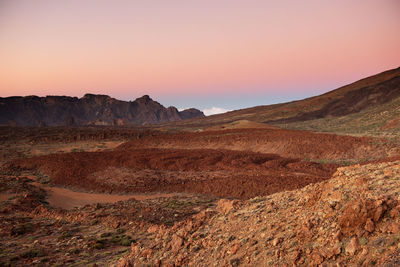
(159, 198)
(320, 187)
(306, 145)
(219, 173)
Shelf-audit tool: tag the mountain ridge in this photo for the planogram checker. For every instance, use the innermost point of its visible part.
(91, 109)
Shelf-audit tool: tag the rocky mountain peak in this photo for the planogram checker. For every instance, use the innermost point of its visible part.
(144, 99)
(91, 109)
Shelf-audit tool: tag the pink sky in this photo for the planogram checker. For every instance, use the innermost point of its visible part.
(194, 53)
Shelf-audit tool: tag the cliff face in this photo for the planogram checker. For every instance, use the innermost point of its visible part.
(88, 110)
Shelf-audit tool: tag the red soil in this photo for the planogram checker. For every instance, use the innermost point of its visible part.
(221, 173)
(200, 162)
(286, 143)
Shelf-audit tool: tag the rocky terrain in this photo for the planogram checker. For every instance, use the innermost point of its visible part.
(309, 146)
(351, 220)
(226, 190)
(209, 198)
(35, 233)
(88, 110)
(216, 173)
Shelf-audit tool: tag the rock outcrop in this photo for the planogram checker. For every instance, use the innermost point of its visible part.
(88, 110)
(351, 220)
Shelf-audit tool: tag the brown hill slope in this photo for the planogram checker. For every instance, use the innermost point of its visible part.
(382, 120)
(349, 102)
(88, 110)
(370, 92)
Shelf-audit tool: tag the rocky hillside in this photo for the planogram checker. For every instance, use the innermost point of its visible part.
(88, 110)
(351, 220)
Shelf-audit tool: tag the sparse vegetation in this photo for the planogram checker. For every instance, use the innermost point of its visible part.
(284, 200)
(64, 235)
(376, 121)
(22, 229)
(33, 253)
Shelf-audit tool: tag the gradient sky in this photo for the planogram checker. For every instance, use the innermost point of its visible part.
(208, 53)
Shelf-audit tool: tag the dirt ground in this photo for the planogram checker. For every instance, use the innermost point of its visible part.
(217, 173)
(67, 199)
(83, 196)
(319, 147)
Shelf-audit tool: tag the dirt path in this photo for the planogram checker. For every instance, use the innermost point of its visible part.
(68, 199)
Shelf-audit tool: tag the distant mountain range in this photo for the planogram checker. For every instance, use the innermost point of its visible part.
(89, 110)
(368, 106)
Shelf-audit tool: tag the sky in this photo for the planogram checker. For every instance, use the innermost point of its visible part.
(215, 55)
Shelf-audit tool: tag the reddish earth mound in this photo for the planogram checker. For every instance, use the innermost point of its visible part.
(286, 143)
(221, 173)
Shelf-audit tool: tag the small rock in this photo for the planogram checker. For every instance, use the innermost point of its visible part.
(316, 258)
(234, 248)
(378, 213)
(394, 228)
(225, 205)
(352, 247)
(337, 236)
(176, 243)
(276, 241)
(395, 212)
(308, 225)
(234, 262)
(116, 225)
(335, 196)
(147, 253)
(369, 226)
(152, 229)
(124, 263)
(135, 248)
(297, 256)
(335, 250)
(364, 252)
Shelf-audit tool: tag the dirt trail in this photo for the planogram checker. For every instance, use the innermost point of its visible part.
(68, 199)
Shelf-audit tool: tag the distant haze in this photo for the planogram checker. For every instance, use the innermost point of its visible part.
(211, 54)
(214, 110)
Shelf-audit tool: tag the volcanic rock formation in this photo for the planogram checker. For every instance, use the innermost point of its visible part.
(88, 110)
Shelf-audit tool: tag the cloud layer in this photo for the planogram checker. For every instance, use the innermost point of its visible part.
(214, 110)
